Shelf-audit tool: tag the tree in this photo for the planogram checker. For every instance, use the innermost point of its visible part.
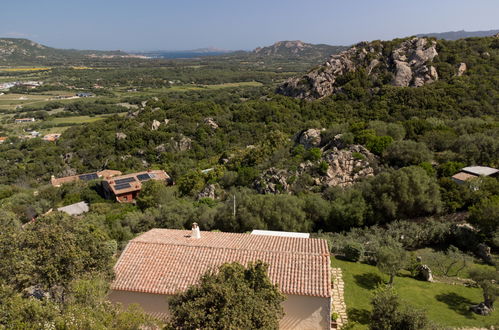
(406, 153)
(390, 259)
(234, 297)
(405, 193)
(488, 281)
(53, 251)
(191, 183)
(388, 315)
(485, 215)
(153, 194)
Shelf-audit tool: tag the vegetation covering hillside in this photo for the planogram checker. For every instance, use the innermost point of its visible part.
(17, 51)
(368, 167)
(411, 62)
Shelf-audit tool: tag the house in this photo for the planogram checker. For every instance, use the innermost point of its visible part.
(84, 94)
(471, 172)
(24, 120)
(75, 209)
(126, 188)
(162, 262)
(52, 137)
(3, 139)
(104, 174)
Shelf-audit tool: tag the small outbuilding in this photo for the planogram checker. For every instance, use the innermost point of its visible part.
(75, 209)
(471, 172)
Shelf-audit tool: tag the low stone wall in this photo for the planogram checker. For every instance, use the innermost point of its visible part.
(338, 299)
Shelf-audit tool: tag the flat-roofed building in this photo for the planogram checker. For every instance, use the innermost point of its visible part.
(126, 188)
(471, 172)
(162, 262)
(24, 120)
(104, 174)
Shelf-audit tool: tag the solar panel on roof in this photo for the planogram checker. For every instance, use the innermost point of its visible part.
(88, 177)
(125, 180)
(122, 186)
(143, 177)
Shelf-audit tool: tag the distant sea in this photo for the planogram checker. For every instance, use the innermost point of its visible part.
(179, 54)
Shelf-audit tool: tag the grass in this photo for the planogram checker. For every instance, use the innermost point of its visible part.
(18, 69)
(75, 119)
(445, 304)
(182, 88)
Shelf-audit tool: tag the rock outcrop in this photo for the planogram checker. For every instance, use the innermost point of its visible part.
(181, 143)
(310, 138)
(120, 136)
(461, 69)
(211, 123)
(344, 167)
(209, 191)
(155, 125)
(407, 63)
(481, 309)
(272, 181)
(424, 273)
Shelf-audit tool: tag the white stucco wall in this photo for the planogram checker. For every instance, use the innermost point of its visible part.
(305, 312)
(301, 312)
(153, 304)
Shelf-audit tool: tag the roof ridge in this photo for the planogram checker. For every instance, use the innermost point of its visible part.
(228, 248)
(230, 233)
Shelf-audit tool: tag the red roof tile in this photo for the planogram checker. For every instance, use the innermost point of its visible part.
(166, 261)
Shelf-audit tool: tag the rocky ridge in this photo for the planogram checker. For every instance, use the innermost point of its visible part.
(343, 165)
(409, 64)
(297, 49)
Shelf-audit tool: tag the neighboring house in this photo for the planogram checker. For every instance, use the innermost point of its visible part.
(84, 94)
(105, 174)
(75, 209)
(279, 233)
(3, 139)
(471, 172)
(24, 120)
(52, 137)
(126, 188)
(162, 262)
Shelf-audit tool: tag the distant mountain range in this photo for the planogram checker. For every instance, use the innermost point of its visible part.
(454, 35)
(24, 51)
(298, 48)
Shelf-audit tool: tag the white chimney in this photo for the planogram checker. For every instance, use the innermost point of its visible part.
(196, 233)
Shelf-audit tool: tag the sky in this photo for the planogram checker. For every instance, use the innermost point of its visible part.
(234, 24)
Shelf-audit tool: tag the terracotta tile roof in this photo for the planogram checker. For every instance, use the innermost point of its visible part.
(166, 261)
(463, 176)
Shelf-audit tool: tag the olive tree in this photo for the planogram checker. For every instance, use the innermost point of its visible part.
(232, 297)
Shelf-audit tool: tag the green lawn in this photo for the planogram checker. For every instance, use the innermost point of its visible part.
(445, 304)
(76, 119)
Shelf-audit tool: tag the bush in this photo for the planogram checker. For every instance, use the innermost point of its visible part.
(387, 314)
(353, 251)
(406, 153)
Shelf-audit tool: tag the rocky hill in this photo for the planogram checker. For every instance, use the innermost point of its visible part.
(24, 51)
(455, 35)
(407, 63)
(296, 49)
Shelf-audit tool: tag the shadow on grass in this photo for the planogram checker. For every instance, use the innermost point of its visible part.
(368, 280)
(358, 315)
(457, 303)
